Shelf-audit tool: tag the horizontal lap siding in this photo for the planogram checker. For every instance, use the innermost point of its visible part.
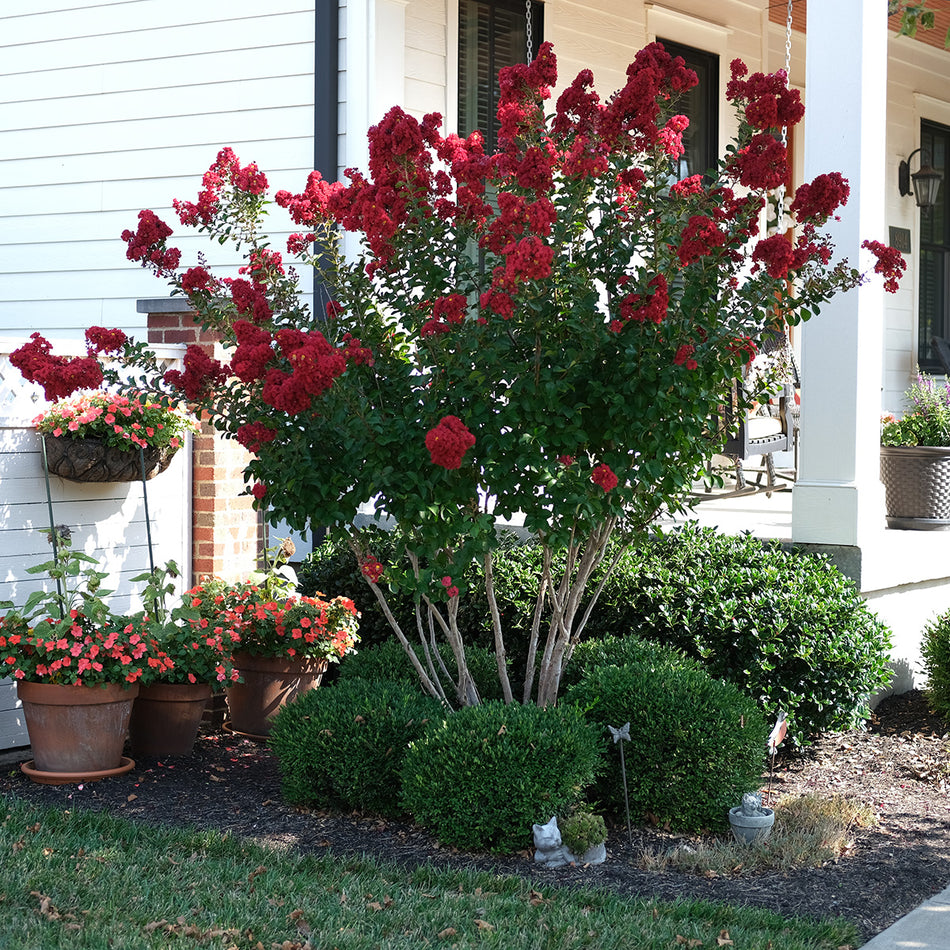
(106, 108)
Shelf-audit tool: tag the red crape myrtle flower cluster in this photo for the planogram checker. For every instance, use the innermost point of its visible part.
(543, 331)
(61, 376)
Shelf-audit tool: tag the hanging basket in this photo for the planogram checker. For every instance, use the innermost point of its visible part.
(917, 486)
(91, 460)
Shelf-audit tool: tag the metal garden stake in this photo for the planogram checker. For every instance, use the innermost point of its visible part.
(623, 733)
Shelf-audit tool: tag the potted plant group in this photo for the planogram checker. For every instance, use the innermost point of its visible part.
(193, 655)
(282, 641)
(78, 669)
(915, 458)
(96, 436)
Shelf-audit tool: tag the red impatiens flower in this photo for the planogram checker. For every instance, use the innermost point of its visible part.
(603, 475)
(448, 442)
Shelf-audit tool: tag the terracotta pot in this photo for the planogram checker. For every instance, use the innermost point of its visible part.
(269, 684)
(91, 460)
(916, 486)
(166, 716)
(77, 730)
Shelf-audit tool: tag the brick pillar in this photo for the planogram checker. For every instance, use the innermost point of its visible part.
(227, 534)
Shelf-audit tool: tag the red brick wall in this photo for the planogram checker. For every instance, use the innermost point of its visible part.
(227, 534)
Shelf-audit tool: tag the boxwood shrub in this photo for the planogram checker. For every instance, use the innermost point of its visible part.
(388, 661)
(480, 778)
(935, 650)
(788, 628)
(342, 747)
(696, 743)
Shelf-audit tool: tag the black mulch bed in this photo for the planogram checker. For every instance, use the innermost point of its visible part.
(900, 766)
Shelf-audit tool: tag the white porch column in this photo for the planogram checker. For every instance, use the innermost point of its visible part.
(374, 70)
(838, 498)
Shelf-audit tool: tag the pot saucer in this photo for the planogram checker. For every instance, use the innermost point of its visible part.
(42, 777)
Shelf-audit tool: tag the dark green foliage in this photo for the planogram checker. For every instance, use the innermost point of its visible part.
(388, 661)
(696, 743)
(332, 569)
(483, 776)
(787, 628)
(618, 651)
(343, 746)
(935, 650)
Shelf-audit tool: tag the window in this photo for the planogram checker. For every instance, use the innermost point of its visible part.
(492, 34)
(933, 308)
(701, 106)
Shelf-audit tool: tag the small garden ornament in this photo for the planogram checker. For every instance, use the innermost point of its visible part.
(751, 821)
(553, 853)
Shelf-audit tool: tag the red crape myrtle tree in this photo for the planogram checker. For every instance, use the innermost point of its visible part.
(547, 330)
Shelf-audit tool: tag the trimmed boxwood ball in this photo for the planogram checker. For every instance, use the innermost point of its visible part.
(788, 628)
(389, 661)
(935, 651)
(342, 747)
(696, 743)
(483, 776)
(618, 651)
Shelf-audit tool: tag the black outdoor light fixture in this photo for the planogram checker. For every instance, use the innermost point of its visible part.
(926, 181)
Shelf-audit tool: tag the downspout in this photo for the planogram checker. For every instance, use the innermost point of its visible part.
(326, 60)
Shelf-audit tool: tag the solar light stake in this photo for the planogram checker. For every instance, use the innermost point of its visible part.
(623, 733)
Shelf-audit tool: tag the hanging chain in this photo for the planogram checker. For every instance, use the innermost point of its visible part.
(780, 193)
(529, 40)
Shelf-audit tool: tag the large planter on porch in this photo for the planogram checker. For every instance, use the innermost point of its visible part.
(166, 717)
(269, 684)
(917, 486)
(77, 733)
(91, 460)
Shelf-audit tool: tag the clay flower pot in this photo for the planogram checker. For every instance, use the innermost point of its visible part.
(77, 733)
(166, 716)
(269, 684)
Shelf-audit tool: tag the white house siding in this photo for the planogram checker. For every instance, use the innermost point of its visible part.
(917, 89)
(110, 107)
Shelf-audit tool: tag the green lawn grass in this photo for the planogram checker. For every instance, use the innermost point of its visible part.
(82, 879)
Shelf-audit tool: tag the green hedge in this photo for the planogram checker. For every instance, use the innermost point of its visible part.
(484, 775)
(787, 628)
(696, 743)
(388, 661)
(342, 746)
(935, 650)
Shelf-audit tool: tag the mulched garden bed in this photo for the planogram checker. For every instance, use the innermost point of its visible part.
(900, 766)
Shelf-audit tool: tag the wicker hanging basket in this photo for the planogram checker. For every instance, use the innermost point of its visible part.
(91, 460)
(917, 486)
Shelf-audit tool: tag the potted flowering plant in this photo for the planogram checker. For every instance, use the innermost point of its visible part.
(915, 458)
(95, 436)
(194, 656)
(78, 668)
(283, 641)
